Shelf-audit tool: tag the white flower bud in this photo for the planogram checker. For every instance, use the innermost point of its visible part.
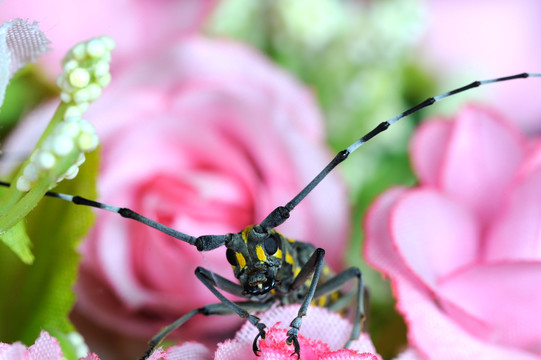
(68, 128)
(60, 79)
(23, 184)
(101, 68)
(104, 80)
(80, 160)
(45, 160)
(87, 142)
(71, 112)
(71, 173)
(31, 172)
(65, 97)
(62, 145)
(108, 42)
(81, 96)
(79, 51)
(79, 77)
(95, 48)
(94, 91)
(86, 127)
(70, 65)
(83, 107)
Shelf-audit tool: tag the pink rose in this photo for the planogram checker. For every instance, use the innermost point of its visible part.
(136, 26)
(207, 137)
(488, 38)
(462, 248)
(322, 336)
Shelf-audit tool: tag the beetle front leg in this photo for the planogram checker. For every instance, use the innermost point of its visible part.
(312, 267)
(213, 281)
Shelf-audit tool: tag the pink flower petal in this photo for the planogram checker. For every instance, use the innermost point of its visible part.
(16, 351)
(437, 337)
(319, 324)
(504, 296)
(188, 351)
(221, 92)
(274, 347)
(322, 335)
(379, 248)
(459, 46)
(91, 357)
(484, 207)
(410, 354)
(533, 159)
(427, 149)
(138, 27)
(434, 234)
(483, 153)
(520, 219)
(46, 347)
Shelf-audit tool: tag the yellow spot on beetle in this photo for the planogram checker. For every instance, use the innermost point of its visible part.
(289, 259)
(260, 253)
(241, 260)
(278, 254)
(326, 270)
(245, 233)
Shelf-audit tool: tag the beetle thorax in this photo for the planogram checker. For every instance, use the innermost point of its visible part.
(256, 259)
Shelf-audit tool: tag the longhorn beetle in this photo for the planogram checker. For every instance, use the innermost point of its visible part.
(269, 266)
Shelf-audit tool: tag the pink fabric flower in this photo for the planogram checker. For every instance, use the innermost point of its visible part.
(489, 38)
(206, 137)
(462, 248)
(46, 347)
(322, 336)
(137, 26)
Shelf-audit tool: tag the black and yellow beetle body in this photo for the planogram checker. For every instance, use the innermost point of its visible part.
(268, 264)
(267, 268)
(272, 268)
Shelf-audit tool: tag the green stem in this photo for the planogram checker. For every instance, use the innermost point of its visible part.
(14, 205)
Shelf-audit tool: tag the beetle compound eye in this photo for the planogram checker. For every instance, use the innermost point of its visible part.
(271, 245)
(231, 257)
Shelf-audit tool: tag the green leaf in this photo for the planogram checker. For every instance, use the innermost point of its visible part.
(40, 296)
(19, 242)
(28, 88)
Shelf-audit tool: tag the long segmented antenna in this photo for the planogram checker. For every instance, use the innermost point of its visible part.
(124, 212)
(281, 213)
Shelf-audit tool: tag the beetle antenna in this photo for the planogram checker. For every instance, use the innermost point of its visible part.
(281, 213)
(124, 212)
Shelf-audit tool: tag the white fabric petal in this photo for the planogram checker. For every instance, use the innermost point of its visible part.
(20, 43)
